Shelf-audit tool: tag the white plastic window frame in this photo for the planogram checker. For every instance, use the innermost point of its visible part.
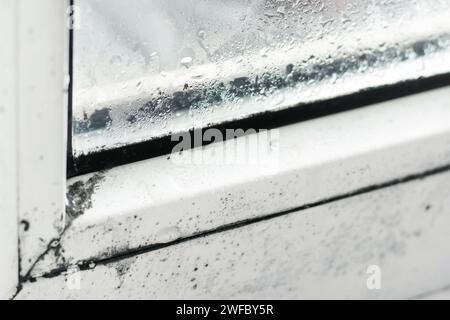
(34, 61)
(188, 202)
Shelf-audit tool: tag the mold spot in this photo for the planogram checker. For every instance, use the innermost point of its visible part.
(100, 119)
(54, 244)
(79, 197)
(122, 268)
(289, 69)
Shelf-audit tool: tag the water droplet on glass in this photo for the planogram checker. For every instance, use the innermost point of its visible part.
(186, 61)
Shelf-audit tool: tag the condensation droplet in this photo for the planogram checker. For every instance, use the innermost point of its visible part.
(186, 61)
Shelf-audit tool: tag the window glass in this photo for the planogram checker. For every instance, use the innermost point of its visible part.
(148, 68)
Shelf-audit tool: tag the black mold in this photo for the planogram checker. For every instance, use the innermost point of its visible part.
(79, 200)
(100, 119)
(79, 197)
(420, 48)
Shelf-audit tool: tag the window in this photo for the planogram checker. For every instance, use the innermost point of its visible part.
(366, 185)
(144, 70)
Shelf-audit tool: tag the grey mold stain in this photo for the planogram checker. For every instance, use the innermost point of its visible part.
(79, 197)
(25, 224)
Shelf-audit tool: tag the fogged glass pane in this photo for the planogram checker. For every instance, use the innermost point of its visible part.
(149, 68)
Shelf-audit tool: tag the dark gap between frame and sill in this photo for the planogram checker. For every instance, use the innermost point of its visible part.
(266, 120)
